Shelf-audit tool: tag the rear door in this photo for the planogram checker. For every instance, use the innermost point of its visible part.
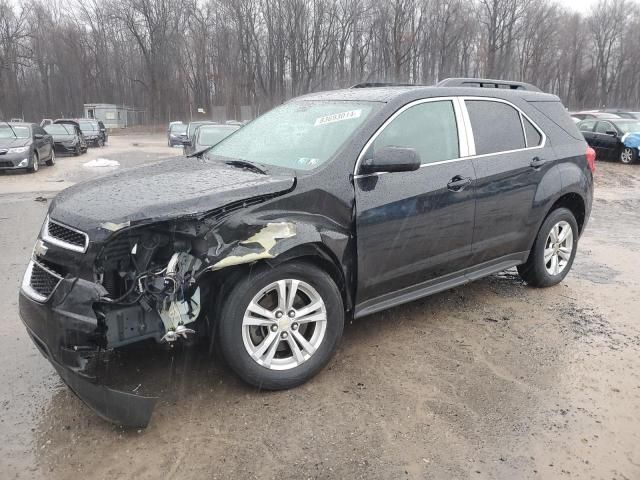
(414, 227)
(511, 157)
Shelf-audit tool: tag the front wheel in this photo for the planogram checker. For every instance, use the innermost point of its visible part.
(628, 155)
(35, 163)
(52, 159)
(280, 326)
(553, 251)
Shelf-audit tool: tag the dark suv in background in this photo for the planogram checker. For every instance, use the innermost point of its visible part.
(330, 207)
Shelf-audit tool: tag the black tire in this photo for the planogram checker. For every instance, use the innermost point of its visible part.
(628, 155)
(35, 163)
(534, 270)
(230, 329)
(52, 158)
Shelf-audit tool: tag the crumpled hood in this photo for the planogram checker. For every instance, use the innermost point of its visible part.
(6, 143)
(160, 191)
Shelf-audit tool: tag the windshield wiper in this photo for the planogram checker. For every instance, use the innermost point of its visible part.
(199, 153)
(246, 164)
(12, 130)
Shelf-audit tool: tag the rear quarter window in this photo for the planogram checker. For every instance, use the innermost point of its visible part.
(556, 112)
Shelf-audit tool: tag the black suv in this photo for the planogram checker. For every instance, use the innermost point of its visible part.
(332, 206)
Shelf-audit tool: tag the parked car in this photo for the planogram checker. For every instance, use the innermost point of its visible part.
(188, 138)
(623, 113)
(176, 134)
(330, 207)
(25, 146)
(613, 139)
(67, 138)
(89, 128)
(209, 135)
(206, 136)
(594, 114)
(103, 131)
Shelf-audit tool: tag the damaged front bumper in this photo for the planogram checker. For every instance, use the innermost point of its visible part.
(66, 331)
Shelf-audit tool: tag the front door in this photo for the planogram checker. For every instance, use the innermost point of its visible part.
(415, 227)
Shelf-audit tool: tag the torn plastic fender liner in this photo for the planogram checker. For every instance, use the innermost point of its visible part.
(63, 331)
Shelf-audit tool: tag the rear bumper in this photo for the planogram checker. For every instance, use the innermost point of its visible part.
(65, 330)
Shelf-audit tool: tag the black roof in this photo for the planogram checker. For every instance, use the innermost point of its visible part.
(397, 93)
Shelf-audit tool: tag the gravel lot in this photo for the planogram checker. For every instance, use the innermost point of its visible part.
(490, 380)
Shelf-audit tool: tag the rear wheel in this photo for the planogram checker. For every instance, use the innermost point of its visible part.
(553, 251)
(280, 326)
(628, 155)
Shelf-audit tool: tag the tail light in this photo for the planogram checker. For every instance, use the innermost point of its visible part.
(591, 159)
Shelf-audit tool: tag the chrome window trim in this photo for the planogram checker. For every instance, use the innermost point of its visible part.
(466, 139)
(26, 282)
(60, 243)
(458, 110)
(542, 144)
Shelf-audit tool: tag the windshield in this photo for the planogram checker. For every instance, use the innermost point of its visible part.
(300, 135)
(629, 127)
(17, 132)
(210, 135)
(59, 129)
(86, 126)
(178, 128)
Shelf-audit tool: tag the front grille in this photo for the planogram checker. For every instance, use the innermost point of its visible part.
(6, 164)
(40, 282)
(65, 237)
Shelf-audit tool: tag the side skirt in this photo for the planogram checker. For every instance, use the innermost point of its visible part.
(424, 289)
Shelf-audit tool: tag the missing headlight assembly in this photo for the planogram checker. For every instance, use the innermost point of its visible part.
(151, 280)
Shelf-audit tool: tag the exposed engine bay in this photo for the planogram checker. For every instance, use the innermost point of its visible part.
(152, 280)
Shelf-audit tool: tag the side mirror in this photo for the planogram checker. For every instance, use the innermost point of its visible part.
(611, 133)
(38, 136)
(391, 159)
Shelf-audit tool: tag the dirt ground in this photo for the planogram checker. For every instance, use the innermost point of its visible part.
(490, 380)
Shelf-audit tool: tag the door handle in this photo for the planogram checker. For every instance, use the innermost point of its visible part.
(537, 162)
(458, 183)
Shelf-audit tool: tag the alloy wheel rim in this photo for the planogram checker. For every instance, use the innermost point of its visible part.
(53, 157)
(284, 324)
(36, 162)
(626, 155)
(558, 248)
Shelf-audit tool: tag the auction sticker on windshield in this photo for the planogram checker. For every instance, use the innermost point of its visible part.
(337, 117)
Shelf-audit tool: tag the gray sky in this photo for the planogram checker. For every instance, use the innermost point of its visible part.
(583, 6)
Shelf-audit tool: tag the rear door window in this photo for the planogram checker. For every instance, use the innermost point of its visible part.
(587, 125)
(430, 128)
(496, 126)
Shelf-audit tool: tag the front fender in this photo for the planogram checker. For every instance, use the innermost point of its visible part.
(243, 240)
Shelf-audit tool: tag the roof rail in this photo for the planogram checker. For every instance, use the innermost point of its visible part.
(487, 83)
(383, 84)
